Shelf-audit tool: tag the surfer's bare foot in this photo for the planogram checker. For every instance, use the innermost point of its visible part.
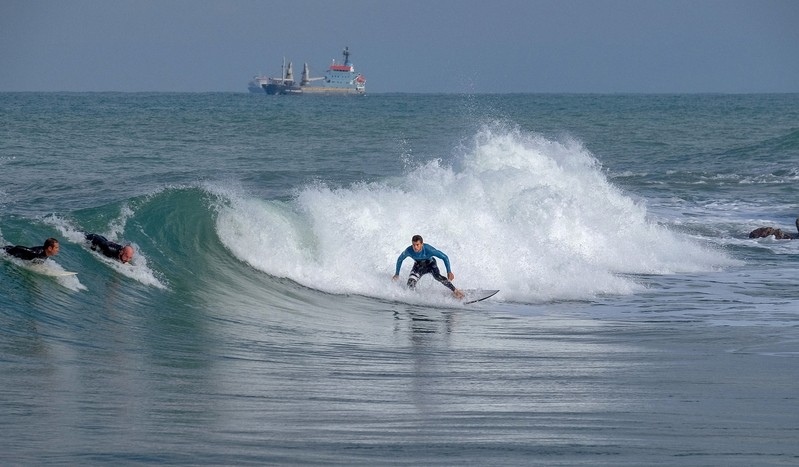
(458, 294)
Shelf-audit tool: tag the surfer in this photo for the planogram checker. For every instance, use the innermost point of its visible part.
(424, 257)
(110, 249)
(763, 232)
(50, 248)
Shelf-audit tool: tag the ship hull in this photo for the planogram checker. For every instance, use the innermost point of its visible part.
(331, 90)
(281, 89)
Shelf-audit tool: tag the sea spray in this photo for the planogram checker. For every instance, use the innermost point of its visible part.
(534, 217)
(136, 269)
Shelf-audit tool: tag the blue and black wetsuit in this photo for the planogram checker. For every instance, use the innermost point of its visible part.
(425, 263)
(106, 247)
(26, 253)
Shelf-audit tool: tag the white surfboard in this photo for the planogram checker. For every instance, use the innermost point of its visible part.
(48, 270)
(476, 295)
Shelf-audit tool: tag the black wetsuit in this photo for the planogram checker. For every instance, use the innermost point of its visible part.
(106, 247)
(23, 252)
(422, 267)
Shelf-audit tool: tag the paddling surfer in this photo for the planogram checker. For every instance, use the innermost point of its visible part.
(110, 249)
(763, 232)
(38, 253)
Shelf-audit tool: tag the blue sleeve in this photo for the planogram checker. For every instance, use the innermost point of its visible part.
(400, 260)
(439, 254)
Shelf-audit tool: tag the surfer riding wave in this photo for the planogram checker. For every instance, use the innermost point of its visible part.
(424, 257)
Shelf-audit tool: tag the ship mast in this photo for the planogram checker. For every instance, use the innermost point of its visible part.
(346, 56)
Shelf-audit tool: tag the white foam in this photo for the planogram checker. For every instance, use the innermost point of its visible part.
(533, 217)
(136, 269)
(48, 267)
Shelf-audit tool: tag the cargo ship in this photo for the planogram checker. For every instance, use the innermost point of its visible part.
(338, 79)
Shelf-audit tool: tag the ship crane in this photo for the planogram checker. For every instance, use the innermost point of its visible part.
(306, 73)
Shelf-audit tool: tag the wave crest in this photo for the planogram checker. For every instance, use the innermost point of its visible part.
(534, 217)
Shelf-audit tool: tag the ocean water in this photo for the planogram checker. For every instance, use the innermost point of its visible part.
(637, 324)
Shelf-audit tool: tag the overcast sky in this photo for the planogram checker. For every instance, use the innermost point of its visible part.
(471, 46)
